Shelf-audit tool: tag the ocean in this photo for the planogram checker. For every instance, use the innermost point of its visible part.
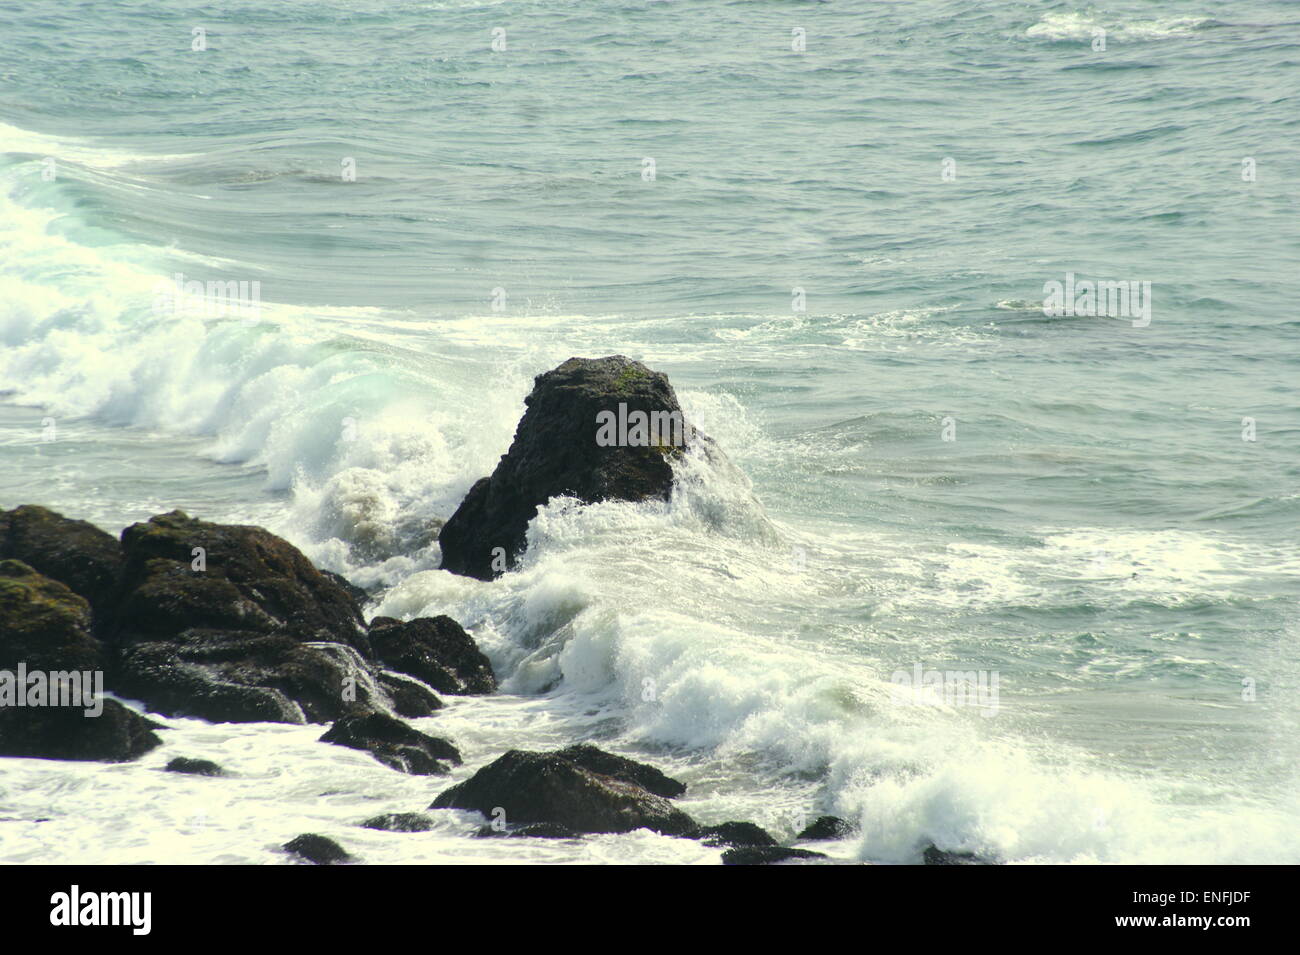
(834, 226)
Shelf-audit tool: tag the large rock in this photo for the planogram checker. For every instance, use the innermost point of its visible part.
(43, 624)
(556, 453)
(250, 581)
(78, 554)
(394, 744)
(622, 768)
(117, 734)
(546, 787)
(230, 623)
(436, 650)
(240, 677)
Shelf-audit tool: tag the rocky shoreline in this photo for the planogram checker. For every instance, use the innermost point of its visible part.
(229, 623)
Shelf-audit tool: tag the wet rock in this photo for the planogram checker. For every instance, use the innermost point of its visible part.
(182, 574)
(735, 834)
(933, 855)
(435, 650)
(43, 624)
(532, 830)
(394, 744)
(767, 855)
(116, 735)
(411, 698)
(76, 553)
(555, 453)
(827, 827)
(546, 787)
(241, 677)
(358, 595)
(194, 767)
(317, 849)
(400, 822)
(627, 770)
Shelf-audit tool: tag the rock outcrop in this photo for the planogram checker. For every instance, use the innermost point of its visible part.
(624, 769)
(436, 650)
(43, 624)
(394, 744)
(78, 554)
(183, 574)
(116, 735)
(549, 788)
(556, 453)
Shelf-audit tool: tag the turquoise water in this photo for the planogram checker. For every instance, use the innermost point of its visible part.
(1098, 533)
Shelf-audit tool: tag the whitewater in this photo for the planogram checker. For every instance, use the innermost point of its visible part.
(925, 470)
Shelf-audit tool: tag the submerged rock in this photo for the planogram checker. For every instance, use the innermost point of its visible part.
(317, 849)
(767, 855)
(547, 787)
(77, 554)
(933, 855)
(827, 827)
(116, 735)
(43, 624)
(436, 650)
(194, 767)
(555, 453)
(394, 744)
(400, 822)
(736, 834)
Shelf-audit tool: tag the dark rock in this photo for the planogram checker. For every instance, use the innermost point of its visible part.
(735, 834)
(827, 827)
(64, 732)
(933, 855)
(400, 822)
(240, 677)
(532, 830)
(195, 767)
(436, 650)
(394, 744)
(411, 698)
(75, 553)
(546, 787)
(253, 582)
(767, 855)
(622, 768)
(555, 453)
(317, 849)
(358, 595)
(43, 624)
